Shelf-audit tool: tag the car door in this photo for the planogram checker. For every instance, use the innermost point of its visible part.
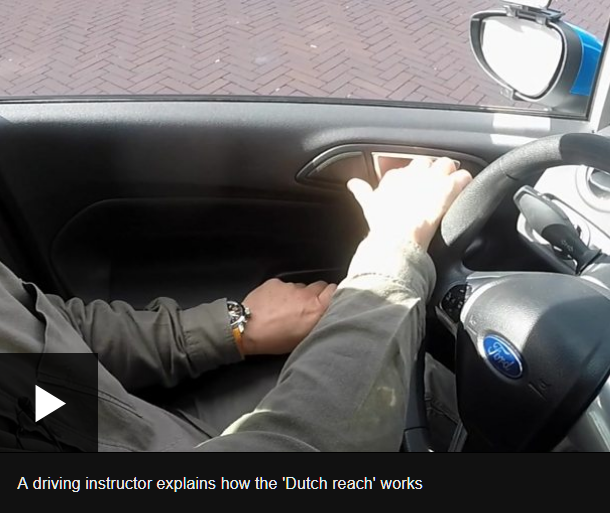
(198, 200)
(197, 197)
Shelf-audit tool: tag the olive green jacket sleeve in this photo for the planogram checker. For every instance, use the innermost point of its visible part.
(158, 346)
(345, 386)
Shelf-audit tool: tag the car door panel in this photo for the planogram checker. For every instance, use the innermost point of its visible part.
(203, 247)
(197, 200)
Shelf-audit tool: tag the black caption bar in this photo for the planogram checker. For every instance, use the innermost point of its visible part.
(185, 482)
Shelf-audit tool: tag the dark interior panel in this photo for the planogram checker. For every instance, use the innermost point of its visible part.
(196, 199)
(201, 249)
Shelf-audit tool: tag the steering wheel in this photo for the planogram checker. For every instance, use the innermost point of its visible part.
(532, 349)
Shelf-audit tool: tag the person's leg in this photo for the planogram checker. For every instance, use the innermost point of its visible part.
(441, 404)
(220, 397)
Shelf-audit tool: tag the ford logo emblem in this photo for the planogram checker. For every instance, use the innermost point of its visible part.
(503, 357)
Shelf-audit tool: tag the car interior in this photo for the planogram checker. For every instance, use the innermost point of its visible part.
(197, 199)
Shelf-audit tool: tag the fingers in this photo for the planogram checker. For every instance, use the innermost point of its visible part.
(444, 166)
(420, 163)
(317, 287)
(460, 180)
(326, 295)
(321, 292)
(361, 190)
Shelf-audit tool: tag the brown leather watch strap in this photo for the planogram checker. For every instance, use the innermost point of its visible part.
(238, 340)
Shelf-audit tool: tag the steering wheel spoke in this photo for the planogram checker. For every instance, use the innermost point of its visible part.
(449, 306)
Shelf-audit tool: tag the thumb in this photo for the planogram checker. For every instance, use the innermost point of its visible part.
(326, 295)
(361, 190)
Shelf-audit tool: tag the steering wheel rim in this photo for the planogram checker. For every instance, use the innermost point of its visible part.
(473, 208)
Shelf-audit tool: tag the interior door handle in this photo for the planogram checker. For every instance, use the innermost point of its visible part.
(384, 162)
(335, 170)
(335, 166)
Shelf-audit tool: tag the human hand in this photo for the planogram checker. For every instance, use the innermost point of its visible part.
(409, 203)
(283, 314)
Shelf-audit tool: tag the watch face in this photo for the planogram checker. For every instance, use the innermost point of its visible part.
(236, 311)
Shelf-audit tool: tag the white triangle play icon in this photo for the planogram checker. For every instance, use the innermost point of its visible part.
(46, 403)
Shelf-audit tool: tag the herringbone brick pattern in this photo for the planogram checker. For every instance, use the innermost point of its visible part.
(415, 50)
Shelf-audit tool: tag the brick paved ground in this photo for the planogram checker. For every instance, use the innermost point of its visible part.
(413, 50)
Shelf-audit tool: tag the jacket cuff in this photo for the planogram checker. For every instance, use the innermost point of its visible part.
(404, 263)
(209, 339)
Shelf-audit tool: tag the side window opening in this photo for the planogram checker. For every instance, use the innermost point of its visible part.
(349, 50)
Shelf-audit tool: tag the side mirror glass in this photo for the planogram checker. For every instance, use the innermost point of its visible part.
(525, 54)
(536, 56)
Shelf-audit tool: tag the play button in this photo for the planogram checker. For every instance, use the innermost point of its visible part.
(46, 403)
(49, 402)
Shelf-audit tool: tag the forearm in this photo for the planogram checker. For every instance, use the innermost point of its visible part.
(157, 346)
(344, 387)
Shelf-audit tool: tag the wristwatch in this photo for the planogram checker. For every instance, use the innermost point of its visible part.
(238, 316)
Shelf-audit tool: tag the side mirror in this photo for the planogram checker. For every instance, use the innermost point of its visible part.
(536, 56)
